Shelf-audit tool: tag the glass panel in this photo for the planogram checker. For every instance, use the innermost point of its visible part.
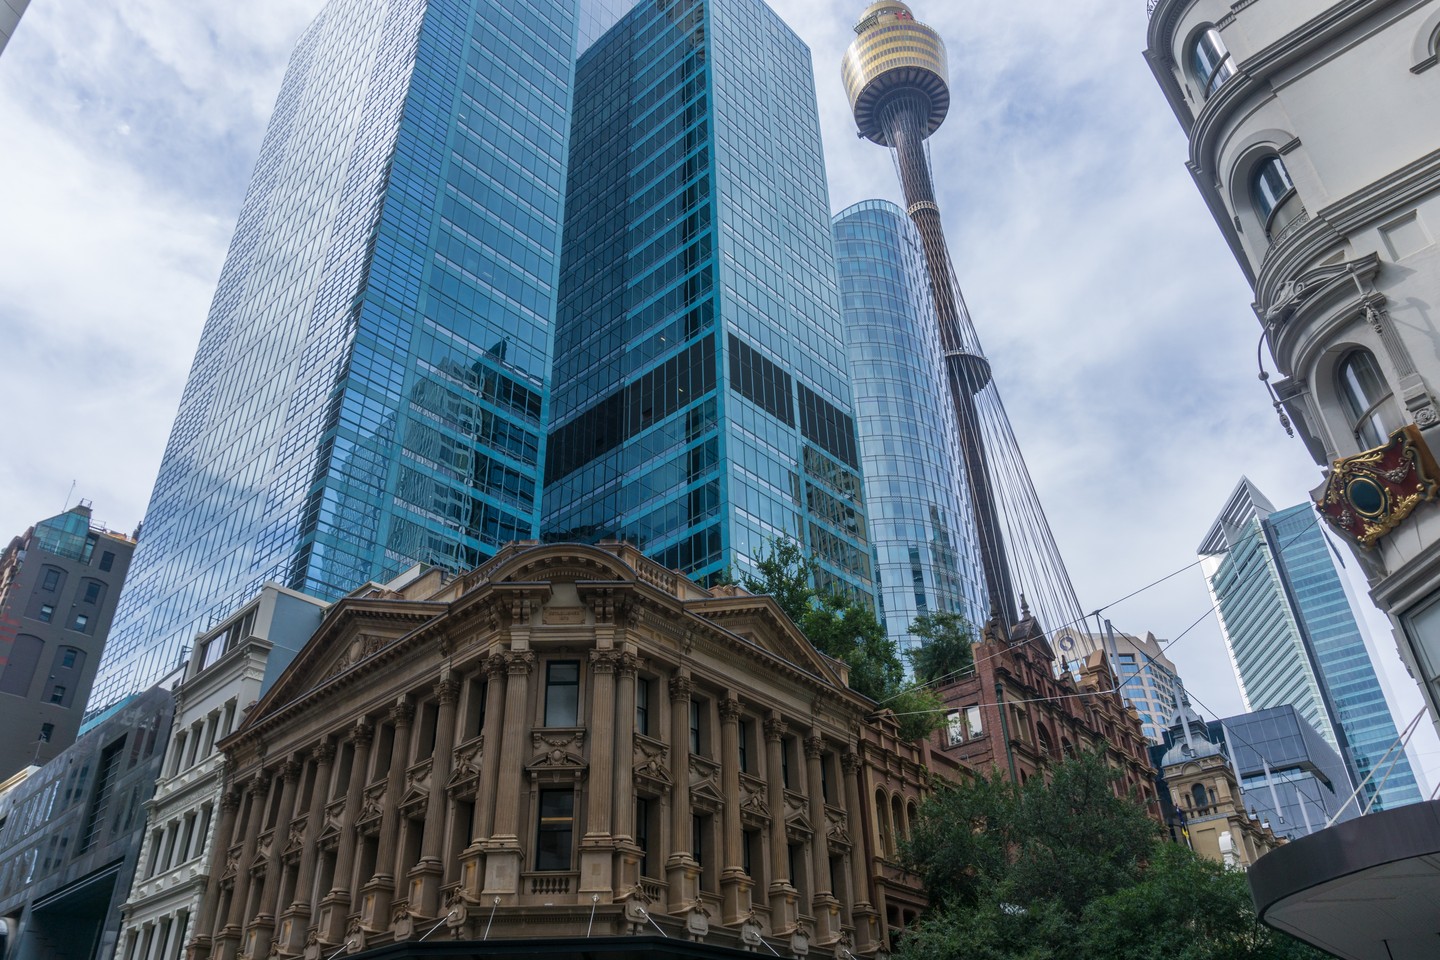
(1211, 61)
(1363, 388)
(1271, 184)
(562, 694)
(557, 824)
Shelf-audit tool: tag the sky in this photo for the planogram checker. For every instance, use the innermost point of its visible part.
(1117, 322)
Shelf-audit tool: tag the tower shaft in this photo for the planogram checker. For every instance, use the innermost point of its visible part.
(904, 121)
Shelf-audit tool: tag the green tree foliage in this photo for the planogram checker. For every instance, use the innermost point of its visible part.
(1066, 869)
(785, 575)
(944, 652)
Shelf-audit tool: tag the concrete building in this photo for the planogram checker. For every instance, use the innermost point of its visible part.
(68, 847)
(1311, 142)
(1205, 807)
(1148, 681)
(59, 584)
(920, 524)
(1289, 775)
(702, 404)
(230, 668)
(569, 740)
(10, 11)
(1017, 713)
(370, 388)
(1294, 640)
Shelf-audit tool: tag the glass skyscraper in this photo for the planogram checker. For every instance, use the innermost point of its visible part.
(1287, 771)
(1294, 640)
(370, 386)
(920, 523)
(701, 401)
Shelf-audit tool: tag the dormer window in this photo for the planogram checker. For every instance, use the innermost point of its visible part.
(1210, 61)
(1366, 397)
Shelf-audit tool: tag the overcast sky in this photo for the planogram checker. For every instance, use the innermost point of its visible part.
(1118, 324)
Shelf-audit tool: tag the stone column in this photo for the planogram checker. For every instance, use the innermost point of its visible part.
(229, 940)
(597, 847)
(783, 897)
(379, 893)
(335, 907)
(426, 878)
(295, 920)
(472, 857)
(627, 853)
(199, 946)
(860, 841)
(262, 928)
(823, 905)
(681, 870)
(735, 883)
(503, 852)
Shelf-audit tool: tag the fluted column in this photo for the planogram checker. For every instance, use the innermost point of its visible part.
(473, 856)
(200, 944)
(262, 927)
(380, 891)
(735, 883)
(860, 840)
(783, 905)
(597, 847)
(229, 939)
(823, 905)
(426, 878)
(296, 918)
(502, 851)
(681, 870)
(627, 853)
(336, 905)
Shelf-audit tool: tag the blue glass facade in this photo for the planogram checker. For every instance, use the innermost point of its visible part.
(701, 401)
(370, 386)
(920, 521)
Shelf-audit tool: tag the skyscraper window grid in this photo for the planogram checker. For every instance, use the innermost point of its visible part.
(369, 389)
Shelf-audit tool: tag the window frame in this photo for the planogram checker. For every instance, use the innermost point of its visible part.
(556, 826)
(550, 707)
(1217, 74)
(1270, 161)
(1359, 418)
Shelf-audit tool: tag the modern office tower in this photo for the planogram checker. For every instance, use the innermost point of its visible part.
(1148, 680)
(370, 388)
(896, 75)
(1312, 142)
(926, 558)
(59, 583)
(1288, 773)
(701, 402)
(1293, 638)
(10, 11)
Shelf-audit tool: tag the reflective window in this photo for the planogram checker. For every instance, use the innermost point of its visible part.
(562, 693)
(554, 833)
(1365, 393)
(1269, 187)
(1211, 62)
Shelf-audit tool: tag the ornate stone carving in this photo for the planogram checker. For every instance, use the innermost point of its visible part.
(730, 710)
(519, 664)
(467, 760)
(814, 748)
(362, 733)
(629, 664)
(362, 647)
(680, 688)
(403, 712)
(1370, 494)
(650, 761)
(230, 800)
(850, 762)
(564, 750)
(604, 661)
(837, 827)
(447, 691)
(776, 729)
(324, 751)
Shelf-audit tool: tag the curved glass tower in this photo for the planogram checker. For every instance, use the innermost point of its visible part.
(926, 557)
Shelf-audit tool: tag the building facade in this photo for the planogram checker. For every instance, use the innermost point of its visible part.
(68, 847)
(1017, 713)
(569, 739)
(59, 584)
(370, 387)
(921, 527)
(1206, 808)
(10, 12)
(1294, 640)
(702, 403)
(230, 668)
(1288, 773)
(1310, 141)
(1148, 681)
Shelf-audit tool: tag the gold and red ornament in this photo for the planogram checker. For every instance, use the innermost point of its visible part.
(1371, 493)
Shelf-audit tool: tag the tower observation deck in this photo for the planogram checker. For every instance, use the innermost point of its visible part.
(896, 74)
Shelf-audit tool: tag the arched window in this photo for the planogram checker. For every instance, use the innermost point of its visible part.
(882, 823)
(1197, 792)
(1270, 187)
(1210, 61)
(1366, 397)
(1044, 737)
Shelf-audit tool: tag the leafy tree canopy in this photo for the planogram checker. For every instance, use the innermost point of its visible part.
(944, 652)
(1066, 869)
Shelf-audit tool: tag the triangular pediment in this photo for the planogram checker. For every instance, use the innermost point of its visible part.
(760, 621)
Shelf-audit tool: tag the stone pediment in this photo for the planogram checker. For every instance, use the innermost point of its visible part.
(557, 753)
(650, 767)
(760, 623)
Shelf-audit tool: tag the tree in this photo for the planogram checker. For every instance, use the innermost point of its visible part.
(1066, 869)
(945, 647)
(785, 575)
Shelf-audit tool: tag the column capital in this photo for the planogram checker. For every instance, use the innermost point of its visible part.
(403, 712)
(519, 664)
(775, 728)
(850, 762)
(230, 800)
(680, 688)
(362, 733)
(447, 691)
(604, 661)
(290, 770)
(730, 710)
(324, 751)
(814, 747)
(629, 664)
(260, 779)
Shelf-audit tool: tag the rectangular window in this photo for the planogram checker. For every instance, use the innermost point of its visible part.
(562, 693)
(554, 833)
(52, 581)
(745, 746)
(67, 659)
(697, 739)
(81, 621)
(954, 727)
(642, 706)
(785, 761)
(92, 592)
(47, 613)
(57, 694)
(107, 561)
(973, 724)
(46, 731)
(642, 833)
(697, 839)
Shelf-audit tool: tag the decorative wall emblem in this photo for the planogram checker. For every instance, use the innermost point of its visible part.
(363, 646)
(650, 765)
(1372, 493)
